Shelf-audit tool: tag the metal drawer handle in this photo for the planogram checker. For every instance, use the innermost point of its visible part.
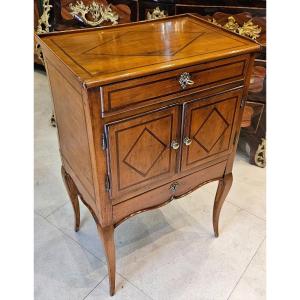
(187, 141)
(173, 187)
(185, 80)
(174, 145)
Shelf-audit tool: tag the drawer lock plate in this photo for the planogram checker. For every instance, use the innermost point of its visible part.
(173, 187)
(185, 80)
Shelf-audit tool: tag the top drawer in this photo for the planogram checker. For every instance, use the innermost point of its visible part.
(145, 91)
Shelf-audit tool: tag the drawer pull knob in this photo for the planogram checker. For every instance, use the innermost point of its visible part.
(175, 145)
(185, 80)
(173, 187)
(187, 141)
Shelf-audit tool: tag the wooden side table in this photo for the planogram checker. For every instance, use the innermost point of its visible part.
(143, 123)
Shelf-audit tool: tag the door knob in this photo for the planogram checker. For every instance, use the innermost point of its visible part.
(185, 80)
(175, 145)
(187, 141)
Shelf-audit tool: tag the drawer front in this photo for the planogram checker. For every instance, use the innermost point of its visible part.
(209, 128)
(140, 153)
(145, 91)
(167, 192)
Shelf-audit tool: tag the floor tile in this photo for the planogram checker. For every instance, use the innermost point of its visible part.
(177, 257)
(49, 190)
(252, 285)
(124, 291)
(46, 153)
(87, 236)
(249, 188)
(177, 237)
(63, 269)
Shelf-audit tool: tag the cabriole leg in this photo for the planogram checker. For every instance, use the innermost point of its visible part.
(107, 236)
(222, 191)
(73, 194)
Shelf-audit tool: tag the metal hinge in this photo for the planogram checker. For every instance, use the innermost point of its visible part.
(104, 141)
(243, 101)
(107, 183)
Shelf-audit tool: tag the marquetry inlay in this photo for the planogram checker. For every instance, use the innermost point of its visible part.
(215, 122)
(147, 47)
(97, 53)
(148, 143)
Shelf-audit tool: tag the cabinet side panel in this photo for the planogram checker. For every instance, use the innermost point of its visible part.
(72, 131)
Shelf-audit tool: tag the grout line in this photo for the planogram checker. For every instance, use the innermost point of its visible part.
(38, 214)
(95, 257)
(67, 235)
(135, 286)
(246, 267)
(94, 288)
(56, 209)
(246, 210)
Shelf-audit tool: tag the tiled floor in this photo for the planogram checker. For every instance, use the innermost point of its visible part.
(168, 253)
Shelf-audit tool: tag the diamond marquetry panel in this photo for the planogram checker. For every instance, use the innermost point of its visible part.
(214, 123)
(148, 143)
(209, 125)
(140, 152)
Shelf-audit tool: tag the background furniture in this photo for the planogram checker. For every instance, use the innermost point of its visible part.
(153, 121)
(59, 18)
(256, 8)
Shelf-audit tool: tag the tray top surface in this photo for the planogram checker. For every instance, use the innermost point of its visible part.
(102, 55)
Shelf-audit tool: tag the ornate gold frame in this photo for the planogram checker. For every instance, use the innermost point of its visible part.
(43, 22)
(248, 29)
(99, 13)
(156, 14)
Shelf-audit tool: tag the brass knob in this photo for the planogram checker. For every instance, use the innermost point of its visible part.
(187, 141)
(185, 80)
(175, 145)
(173, 187)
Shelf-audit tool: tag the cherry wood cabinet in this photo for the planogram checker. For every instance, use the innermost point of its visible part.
(146, 113)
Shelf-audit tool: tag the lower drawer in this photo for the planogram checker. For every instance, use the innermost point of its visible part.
(165, 193)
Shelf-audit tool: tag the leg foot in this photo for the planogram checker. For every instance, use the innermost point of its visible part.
(107, 236)
(73, 194)
(222, 191)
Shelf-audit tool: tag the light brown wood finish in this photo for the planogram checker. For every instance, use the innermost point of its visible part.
(140, 151)
(222, 191)
(73, 194)
(123, 117)
(101, 56)
(209, 124)
(139, 92)
(107, 237)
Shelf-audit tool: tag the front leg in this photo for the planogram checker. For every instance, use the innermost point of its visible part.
(73, 194)
(222, 191)
(107, 236)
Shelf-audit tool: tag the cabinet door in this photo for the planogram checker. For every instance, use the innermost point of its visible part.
(209, 128)
(140, 153)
